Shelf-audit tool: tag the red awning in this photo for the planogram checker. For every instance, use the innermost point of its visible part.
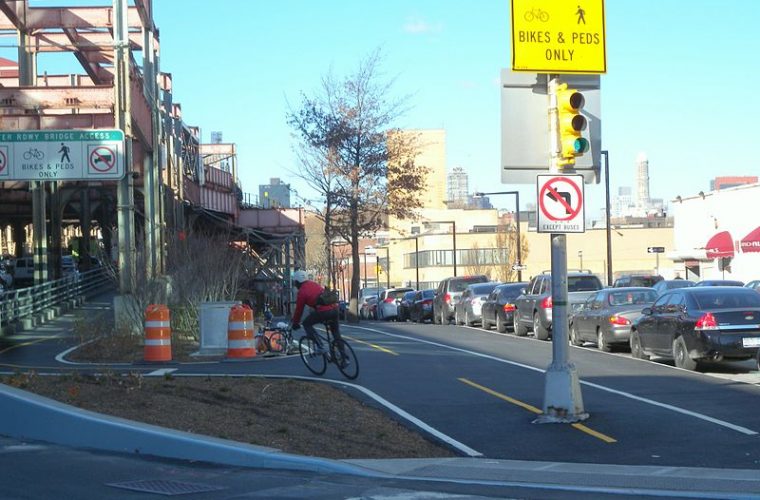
(720, 245)
(751, 242)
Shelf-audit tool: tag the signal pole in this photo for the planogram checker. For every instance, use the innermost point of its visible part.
(563, 402)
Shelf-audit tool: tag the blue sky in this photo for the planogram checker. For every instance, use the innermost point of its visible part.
(680, 83)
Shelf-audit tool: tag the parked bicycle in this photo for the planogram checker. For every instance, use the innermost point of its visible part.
(276, 338)
(341, 355)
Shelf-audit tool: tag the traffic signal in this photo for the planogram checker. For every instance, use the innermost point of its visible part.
(571, 124)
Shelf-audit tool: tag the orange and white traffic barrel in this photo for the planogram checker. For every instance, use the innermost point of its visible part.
(158, 333)
(240, 341)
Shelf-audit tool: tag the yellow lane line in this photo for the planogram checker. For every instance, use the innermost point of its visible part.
(533, 409)
(31, 342)
(374, 346)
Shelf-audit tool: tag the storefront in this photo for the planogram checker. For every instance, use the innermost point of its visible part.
(717, 234)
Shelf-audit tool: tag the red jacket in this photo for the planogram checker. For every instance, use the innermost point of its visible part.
(307, 296)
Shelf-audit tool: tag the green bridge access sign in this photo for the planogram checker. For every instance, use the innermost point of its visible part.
(55, 155)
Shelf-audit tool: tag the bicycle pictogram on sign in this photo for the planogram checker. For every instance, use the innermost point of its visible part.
(102, 159)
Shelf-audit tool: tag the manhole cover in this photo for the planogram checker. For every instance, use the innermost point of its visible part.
(164, 487)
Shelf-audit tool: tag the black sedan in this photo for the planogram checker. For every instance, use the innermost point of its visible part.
(606, 317)
(499, 308)
(699, 324)
(405, 306)
(422, 306)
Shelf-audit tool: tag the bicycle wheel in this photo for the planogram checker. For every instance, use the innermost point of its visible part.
(277, 343)
(316, 363)
(345, 359)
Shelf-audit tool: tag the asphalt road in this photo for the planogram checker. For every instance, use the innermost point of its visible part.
(480, 392)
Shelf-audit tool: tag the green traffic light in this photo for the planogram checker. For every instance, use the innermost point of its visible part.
(580, 145)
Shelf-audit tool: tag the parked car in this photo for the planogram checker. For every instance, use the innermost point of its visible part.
(364, 295)
(69, 268)
(625, 280)
(699, 324)
(719, 283)
(499, 307)
(405, 305)
(754, 284)
(6, 278)
(23, 270)
(533, 308)
(369, 308)
(606, 317)
(422, 306)
(448, 293)
(468, 309)
(663, 286)
(387, 302)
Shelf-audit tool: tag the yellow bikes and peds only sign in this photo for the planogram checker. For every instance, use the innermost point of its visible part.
(558, 36)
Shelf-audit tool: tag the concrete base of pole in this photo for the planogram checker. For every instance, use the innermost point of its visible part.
(126, 317)
(563, 402)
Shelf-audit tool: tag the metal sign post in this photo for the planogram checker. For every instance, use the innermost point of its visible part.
(563, 402)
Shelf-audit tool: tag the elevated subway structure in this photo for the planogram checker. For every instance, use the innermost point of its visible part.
(174, 184)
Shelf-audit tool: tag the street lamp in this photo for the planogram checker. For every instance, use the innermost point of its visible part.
(453, 235)
(517, 222)
(607, 214)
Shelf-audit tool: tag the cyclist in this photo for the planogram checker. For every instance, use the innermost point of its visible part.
(308, 292)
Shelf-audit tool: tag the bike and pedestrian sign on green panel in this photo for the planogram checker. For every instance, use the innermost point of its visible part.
(56, 155)
(558, 36)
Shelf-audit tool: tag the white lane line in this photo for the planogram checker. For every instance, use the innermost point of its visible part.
(628, 395)
(395, 409)
(161, 372)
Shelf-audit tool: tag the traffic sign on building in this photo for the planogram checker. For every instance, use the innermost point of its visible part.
(558, 36)
(54, 155)
(655, 249)
(560, 204)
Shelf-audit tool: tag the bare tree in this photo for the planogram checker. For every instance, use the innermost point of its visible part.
(506, 241)
(351, 154)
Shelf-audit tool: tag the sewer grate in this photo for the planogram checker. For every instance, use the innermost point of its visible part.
(164, 487)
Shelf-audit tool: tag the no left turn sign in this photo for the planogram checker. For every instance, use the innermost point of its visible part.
(561, 204)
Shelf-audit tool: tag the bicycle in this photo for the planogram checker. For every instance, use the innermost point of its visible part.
(277, 339)
(536, 13)
(316, 361)
(33, 153)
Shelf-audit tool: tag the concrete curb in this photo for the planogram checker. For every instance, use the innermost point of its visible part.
(30, 416)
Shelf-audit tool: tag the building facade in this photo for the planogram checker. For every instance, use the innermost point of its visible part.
(276, 194)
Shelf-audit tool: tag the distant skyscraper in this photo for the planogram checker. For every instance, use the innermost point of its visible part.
(216, 137)
(642, 182)
(431, 154)
(275, 194)
(621, 204)
(457, 188)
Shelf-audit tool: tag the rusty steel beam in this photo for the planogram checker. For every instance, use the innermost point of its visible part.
(52, 122)
(38, 18)
(11, 9)
(51, 98)
(217, 149)
(145, 11)
(44, 80)
(89, 66)
(89, 41)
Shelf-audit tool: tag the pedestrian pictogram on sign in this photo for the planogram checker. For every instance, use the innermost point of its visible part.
(560, 202)
(102, 159)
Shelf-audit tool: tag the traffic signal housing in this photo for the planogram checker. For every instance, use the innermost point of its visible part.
(571, 123)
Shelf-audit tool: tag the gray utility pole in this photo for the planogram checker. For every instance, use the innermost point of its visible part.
(563, 402)
(606, 155)
(125, 190)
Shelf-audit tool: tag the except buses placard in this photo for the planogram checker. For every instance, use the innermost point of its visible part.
(558, 36)
(53, 155)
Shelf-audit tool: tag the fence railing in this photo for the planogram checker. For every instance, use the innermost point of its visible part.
(16, 305)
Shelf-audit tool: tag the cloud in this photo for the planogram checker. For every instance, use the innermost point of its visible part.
(417, 26)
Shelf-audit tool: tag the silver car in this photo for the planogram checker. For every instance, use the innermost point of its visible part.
(606, 317)
(468, 310)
